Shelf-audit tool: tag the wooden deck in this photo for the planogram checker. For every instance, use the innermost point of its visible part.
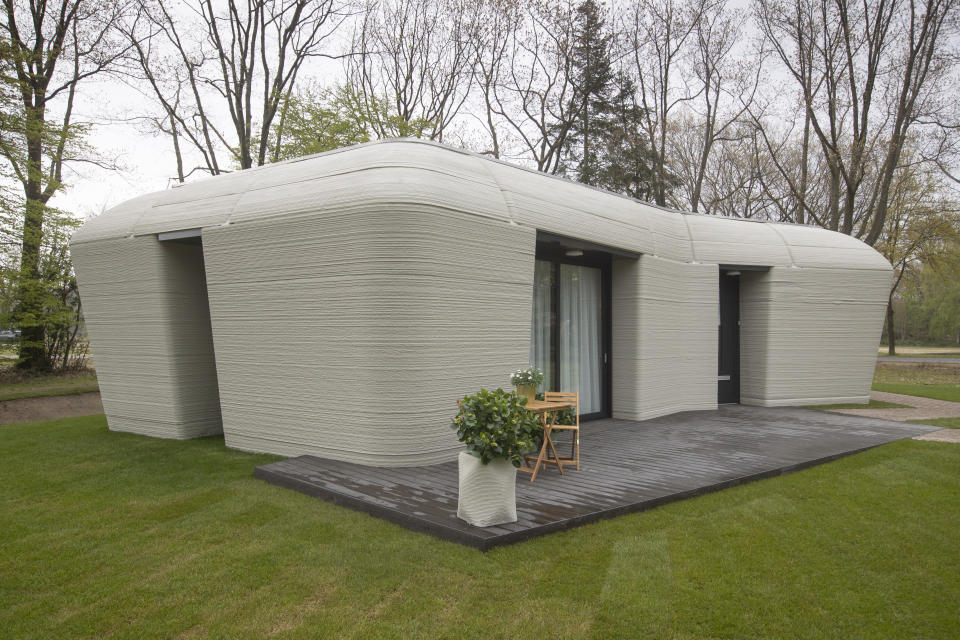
(626, 466)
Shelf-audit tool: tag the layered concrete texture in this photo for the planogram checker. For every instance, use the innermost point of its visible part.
(338, 304)
(145, 304)
(351, 335)
(664, 337)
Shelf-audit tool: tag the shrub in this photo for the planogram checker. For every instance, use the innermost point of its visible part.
(495, 424)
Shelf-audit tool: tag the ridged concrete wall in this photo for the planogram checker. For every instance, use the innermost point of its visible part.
(664, 337)
(809, 336)
(145, 304)
(402, 271)
(350, 336)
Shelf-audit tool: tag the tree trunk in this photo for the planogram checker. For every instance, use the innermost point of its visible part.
(891, 339)
(29, 294)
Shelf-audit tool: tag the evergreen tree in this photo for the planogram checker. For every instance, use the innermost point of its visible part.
(628, 159)
(605, 146)
(591, 71)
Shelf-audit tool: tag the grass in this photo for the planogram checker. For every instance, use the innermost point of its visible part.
(922, 354)
(946, 423)
(116, 535)
(14, 385)
(873, 404)
(925, 380)
(931, 351)
(935, 391)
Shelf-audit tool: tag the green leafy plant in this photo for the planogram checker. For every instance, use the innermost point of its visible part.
(530, 376)
(496, 424)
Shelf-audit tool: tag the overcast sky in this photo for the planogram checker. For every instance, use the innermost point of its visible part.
(145, 159)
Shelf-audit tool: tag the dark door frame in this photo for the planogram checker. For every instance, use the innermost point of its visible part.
(553, 250)
(728, 338)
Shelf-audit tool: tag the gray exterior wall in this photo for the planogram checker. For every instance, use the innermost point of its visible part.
(351, 337)
(664, 337)
(145, 305)
(354, 295)
(809, 336)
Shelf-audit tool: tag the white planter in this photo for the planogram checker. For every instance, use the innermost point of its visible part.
(488, 493)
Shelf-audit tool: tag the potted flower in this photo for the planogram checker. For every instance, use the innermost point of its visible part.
(497, 430)
(527, 381)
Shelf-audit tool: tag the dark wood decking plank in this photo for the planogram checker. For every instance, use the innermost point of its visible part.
(626, 466)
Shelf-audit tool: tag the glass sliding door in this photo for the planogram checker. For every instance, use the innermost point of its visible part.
(579, 319)
(541, 338)
(569, 330)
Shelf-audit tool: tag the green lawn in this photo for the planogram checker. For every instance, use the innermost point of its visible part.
(14, 385)
(115, 535)
(873, 404)
(927, 380)
(935, 391)
(946, 423)
(947, 354)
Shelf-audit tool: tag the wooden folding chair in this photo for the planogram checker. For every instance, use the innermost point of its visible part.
(574, 398)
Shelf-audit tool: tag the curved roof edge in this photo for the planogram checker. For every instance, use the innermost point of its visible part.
(414, 171)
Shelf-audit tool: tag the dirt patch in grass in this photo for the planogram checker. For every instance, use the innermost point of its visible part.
(50, 407)
(935, 380)
(916, 373)
(16, 384)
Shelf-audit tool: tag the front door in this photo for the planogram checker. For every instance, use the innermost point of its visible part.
(569, 338)
(728, 373)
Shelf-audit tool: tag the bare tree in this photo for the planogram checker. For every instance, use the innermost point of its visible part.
(725, 85)
(658, 34)
(245, 62)
(921, 225)
(496, 26)
(416, 55)
(527, 82)
(48, 51)
(866, 73)
(793, 178)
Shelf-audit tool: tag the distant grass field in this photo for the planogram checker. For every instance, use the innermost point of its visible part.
(873, 404)
(950, 354)
(114, 535)
(941, 382)
(946, 423)
(922, 351)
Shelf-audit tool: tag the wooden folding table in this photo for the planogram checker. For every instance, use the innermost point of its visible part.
(548, 416)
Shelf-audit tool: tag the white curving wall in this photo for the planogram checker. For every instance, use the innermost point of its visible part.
(664, 337)
(350, 335)
(145, 305)
(402, 270)
(809, 336)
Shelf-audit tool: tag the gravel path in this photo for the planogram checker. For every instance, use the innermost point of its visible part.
(944, 435)
(922, 408)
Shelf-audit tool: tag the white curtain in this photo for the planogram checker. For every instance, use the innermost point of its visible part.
(540, 331)
(580, 352)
